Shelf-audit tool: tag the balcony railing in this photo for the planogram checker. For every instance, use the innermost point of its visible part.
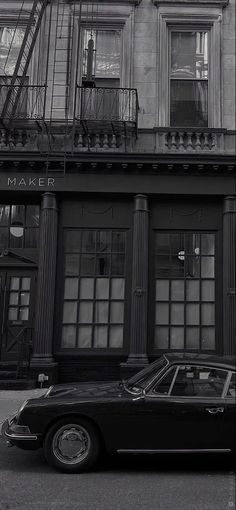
(190, 140)
(114, 106)
(21, 103)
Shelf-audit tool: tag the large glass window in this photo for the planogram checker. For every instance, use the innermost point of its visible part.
(19, 226)
(199, 381)
(102, 67)
(105, 53)
(11, 39)
(94, 289)
(185, 291)
(189, 79)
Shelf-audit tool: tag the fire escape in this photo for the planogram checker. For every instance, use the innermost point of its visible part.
(44, 106)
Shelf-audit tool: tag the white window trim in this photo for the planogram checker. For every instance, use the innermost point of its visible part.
(117, 17)
(185, 18)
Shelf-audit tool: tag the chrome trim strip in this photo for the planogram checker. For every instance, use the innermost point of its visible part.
(17, 436)
(227, 383)
(185, 450)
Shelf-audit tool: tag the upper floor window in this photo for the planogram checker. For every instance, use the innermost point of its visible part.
(11, 39)
(101, 73)
(19, 226)
(189, 78)
(101, 56)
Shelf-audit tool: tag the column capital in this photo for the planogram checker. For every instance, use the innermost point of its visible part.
(230, 204)
(49, 201)
(141, 203)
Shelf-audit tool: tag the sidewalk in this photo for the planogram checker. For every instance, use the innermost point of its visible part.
(11, 400)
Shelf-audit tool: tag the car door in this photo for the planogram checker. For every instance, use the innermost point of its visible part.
(230, 412)
(189, 414)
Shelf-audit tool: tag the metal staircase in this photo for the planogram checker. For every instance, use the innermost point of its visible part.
(20, 73)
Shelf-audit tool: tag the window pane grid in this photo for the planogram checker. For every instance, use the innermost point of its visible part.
(188, 76)
(19, 299)
(184, 317)
(100, 289)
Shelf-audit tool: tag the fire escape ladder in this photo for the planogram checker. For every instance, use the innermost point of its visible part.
(24, 58)
(59, 125)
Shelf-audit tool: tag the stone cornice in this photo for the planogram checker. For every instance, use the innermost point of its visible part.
(109, 2)
(192, 3)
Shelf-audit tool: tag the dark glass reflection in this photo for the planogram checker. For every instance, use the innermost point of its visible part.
(188, 103)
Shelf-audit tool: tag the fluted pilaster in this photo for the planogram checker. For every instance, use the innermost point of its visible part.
(43, 347)
(138, 336)
(229, 275)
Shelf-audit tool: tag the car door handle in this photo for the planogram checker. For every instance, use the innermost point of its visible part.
(215, 410)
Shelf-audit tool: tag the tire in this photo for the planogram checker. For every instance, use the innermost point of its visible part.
(71, 445)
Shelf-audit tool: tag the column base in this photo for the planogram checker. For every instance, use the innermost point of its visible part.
(45, 365)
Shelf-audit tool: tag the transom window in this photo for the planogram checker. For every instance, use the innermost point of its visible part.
(185, 291)
(94, 290)
(189, 78)
(19, 226)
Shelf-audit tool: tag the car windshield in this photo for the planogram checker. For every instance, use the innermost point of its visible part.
(141, 379)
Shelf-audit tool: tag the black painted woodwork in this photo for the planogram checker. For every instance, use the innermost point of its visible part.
(229, 275)
(138, 332)
(43, 348)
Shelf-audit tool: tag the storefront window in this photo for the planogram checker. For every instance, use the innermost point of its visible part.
(94, 289)
(185, 291)
(19, 226)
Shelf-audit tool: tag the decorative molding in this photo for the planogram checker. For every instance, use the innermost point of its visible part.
(195, 3)
(189, 15)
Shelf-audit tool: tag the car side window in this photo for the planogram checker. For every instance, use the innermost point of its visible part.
(199, 381)
(232, 386)
(162, 387)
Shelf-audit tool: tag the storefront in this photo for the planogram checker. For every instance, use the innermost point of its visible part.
(104, 271)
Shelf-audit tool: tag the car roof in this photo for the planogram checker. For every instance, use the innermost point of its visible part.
(227, 362)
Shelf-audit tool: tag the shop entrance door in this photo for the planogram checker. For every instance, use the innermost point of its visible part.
(17, 298)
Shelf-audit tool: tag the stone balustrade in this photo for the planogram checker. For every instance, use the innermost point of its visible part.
(190, 140)
(34, 140)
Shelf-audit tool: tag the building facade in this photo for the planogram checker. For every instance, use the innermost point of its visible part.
(117, 183)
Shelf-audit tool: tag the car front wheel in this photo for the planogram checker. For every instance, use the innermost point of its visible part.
(71, 445)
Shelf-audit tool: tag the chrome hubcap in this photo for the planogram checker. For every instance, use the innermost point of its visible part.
(71, 444)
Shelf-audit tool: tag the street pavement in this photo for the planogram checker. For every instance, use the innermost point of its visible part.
(118, 483)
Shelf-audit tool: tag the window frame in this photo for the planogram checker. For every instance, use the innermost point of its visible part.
(92, 350)
(194, 19)
(150, 392)
(216, 301)
(185, 29)
(123, 21)
(226, 389)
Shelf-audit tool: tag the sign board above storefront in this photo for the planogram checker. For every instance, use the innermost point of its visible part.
(30, 182)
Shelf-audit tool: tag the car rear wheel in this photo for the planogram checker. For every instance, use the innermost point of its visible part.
(71, 445)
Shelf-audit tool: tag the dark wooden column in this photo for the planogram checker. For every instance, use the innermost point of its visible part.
(43, 347)
(138, 331)
(229, 275)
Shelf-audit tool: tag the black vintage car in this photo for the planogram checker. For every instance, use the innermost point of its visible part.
(180, 403)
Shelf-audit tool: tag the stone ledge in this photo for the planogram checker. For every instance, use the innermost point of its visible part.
(196, 3)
